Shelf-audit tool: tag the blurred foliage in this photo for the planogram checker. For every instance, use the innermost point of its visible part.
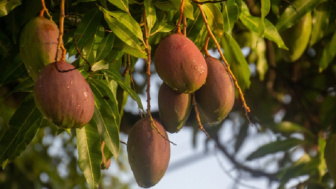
(293, 102)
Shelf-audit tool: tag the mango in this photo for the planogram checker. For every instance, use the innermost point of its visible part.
(216, 97)
(38, 45)
(148, 152)
(180, 64)
(64, 98)
(174, 108)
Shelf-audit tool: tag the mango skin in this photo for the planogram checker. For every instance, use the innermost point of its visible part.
(216, 97)
(38, 45)
(65, 99)
(174, 108)
(148, 152)
(296, 38)
(180, 64)
(330, 155)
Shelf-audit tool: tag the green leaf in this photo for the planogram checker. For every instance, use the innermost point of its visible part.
(150, 14)
(13, 70)
(197, 31)
(290, 16)
(5, 44)
(242, 136)
(237, 61)
(265, 8)
(8, 5)
(327, 109)
(230, 15)
(91, 47)
(215, 19)
(274, 147)
(287, 127)
(322, 167)
(123, 33)
(106, 115)
(121, 4)
(270, 32)
(307, 167)
(134, 52)
(239, 4)
(166, 5)
(188, 9)
(23, 126)
(101, 64)
(89, 153)
(127, 21)
(86, 29)
(162, 27)
(27, 85)
(122, 100)
(114, 75)
(105, 47)
(321, 22)
(328, 53)
(262, 65)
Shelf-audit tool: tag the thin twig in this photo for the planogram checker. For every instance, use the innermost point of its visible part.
(105, 163)
(44, 9)
(200, 125)
(291, 4)
(157, 129)
(205, 48)
(238, 165)
(184, 31)
(247, 109)
(79, 52)
(128, 71)
(148, 63)
(122, 142)
(60, 39)
(61, 30)
(227, 172)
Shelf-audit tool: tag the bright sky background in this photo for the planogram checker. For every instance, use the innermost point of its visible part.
(207, 172)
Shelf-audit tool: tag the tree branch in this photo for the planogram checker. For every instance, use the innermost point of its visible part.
(254, 172)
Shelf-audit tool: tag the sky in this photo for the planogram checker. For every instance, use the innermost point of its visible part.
(194, 168)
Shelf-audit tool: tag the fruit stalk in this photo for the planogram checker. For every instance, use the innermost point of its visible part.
(44, 9)
(61, 30)
(247, 109)
(184, 31)
(181, 16)
(200, 125)
(205, 48)
(148, 63)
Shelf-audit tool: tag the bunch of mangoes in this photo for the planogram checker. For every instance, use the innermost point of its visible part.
(184, 71)
(61, 92)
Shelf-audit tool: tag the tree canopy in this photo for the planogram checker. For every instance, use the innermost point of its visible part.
(281, 55)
